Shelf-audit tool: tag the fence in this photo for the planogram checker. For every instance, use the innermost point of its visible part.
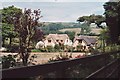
(103, 65)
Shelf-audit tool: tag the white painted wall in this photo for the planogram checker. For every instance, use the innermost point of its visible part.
(76, 43)
(39, 45)
(49, 43)
(68, 42)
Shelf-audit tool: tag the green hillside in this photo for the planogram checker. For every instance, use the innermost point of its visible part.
(55, 27)
(62, 27)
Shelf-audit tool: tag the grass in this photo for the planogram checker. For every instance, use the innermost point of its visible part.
(77, 30)
(35, 50)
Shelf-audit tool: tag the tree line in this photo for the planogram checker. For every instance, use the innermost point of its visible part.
(55, 27)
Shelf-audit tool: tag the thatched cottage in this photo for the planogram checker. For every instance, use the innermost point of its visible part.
(53, 39)
(85, 42)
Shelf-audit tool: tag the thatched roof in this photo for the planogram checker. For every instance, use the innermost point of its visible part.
(57, 37)
(89, 40)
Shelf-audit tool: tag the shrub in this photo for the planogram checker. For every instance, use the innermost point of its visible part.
(57, 48)
(79, 48)
(36, 50)
(80, 56)
(62, 46)
(39, 50)
(13, 48)
(32, 60)
(60, 57)
(68, 48)
(8, 61)
(49, 49)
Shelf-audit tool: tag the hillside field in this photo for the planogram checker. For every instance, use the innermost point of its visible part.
(77, 30)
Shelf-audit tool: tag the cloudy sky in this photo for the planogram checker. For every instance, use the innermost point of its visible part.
(61, 10)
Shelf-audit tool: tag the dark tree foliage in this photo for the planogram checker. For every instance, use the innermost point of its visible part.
(7, 27)
(25, 25)
(8, 12)
(112, 14)
(38, 35)
(70, 34)
(8, 61)
(98, 19)
(85, 29)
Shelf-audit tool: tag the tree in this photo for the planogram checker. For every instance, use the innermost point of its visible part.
(85, 29)
(70, 34)
(0, 36)
(112, 14)
(38, 36)
(7, 27)
(98, 19)
(9, 12)
(104, 37)
(7, 32)
(25, 25)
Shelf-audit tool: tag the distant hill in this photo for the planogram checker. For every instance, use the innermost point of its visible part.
(61, 27)
(63, 23)
(51, 27)
(78, 30)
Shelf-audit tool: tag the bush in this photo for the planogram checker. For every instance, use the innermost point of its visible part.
(32, 60)
(8, 61)
(13, 48)
(80, 56)
(36, 50)
(57, 48)
(60, 57)
(68, 48)
(79, 48)
(49, 49)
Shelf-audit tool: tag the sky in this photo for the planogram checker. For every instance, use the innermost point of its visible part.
(61, 10)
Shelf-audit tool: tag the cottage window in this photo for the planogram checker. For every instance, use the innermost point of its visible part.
(67, 40)
(49, 41)
(80, 41)
(84, 47)
(57, 40)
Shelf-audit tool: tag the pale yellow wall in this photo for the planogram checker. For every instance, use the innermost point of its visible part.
(75, 44)
(53, 42)
(49, 43)
(83, 43)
